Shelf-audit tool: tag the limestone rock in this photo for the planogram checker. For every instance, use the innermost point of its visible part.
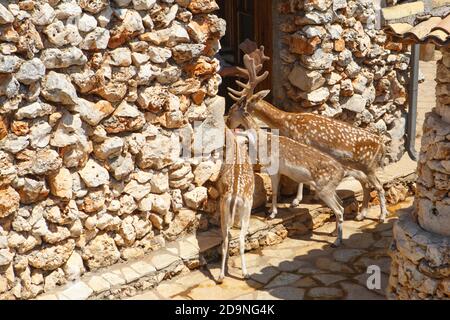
(186, 52)
(9, 201)
(203, 6)
(9, 63)
(5, 15)
(93, 6)
(183, 221)
(306, 80)
(52, 257)
(86, 23)
(34, 110)
(31, 71)
(6, 257)
(55, 58)
(93, 113)
(120, 57)
(100, 252)
(159, 55)
(159, 152)
(61, 184)
(96, 39)
(57, 87)
(93, 174)
(74, 267)
(196, 198)
(355, 103)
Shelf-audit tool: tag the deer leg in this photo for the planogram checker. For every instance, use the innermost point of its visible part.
(225, 214)
(275, 179)
(373, 179)
(366, 197)
(245, 221)
(299, 197)
(333, 201)
(365, 204)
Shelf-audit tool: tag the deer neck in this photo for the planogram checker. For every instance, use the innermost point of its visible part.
(266, 112)
(253, 130)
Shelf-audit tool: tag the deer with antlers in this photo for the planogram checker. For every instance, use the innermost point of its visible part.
(358, 150)
(236, 185)
(302, 163)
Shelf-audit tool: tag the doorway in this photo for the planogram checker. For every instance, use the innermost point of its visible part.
(246, 19)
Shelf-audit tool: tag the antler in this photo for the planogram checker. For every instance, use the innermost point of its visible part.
(253, 63)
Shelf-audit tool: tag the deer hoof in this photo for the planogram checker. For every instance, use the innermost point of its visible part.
(336, 244)
(273, 215)
(360, 217)
(220, 280)
(246, 276)
(296, 203)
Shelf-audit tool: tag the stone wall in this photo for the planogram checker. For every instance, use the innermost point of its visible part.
(433, 185)
(333, 61)
(93, 95)
(420, 263)
(421, 248)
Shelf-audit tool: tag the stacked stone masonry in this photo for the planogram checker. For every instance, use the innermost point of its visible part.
(94, 97)
(433, 185)
(421, 249)
(420, 266)
(334, 61)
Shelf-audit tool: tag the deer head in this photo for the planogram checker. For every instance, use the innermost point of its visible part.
(246, 98)
(239, 111)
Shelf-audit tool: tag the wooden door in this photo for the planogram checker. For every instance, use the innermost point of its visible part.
(246, 19)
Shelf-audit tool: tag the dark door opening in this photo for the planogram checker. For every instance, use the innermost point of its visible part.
(246, 19)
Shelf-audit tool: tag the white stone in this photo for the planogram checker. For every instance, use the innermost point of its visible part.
(40, 134)
(57, 87)
(356, 103)
(77, 291)
(195, 198)
(68, 9)
(159, 55)
(120, 57)
(43, 14)
(305, 79)
(74, 267)
(87, 23)
(143, 4)
(136, 190)
(31, 71)
(34, 110)
(5, 15)
(54, 58)
(93, 174)
(110, 148)
(96, 39)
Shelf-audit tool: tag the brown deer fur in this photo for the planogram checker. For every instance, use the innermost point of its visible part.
(360, 151)
(236, 185)
(302, 163)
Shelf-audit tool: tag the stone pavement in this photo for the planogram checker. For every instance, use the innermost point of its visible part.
(299, 268)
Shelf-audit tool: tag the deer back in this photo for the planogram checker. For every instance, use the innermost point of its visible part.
(237, 175)
(355, 147)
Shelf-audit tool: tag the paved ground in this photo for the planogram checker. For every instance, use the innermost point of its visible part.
(299, 268)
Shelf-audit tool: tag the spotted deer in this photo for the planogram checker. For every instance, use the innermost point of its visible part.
(358, 150)
(236, 186)
(302, 163)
